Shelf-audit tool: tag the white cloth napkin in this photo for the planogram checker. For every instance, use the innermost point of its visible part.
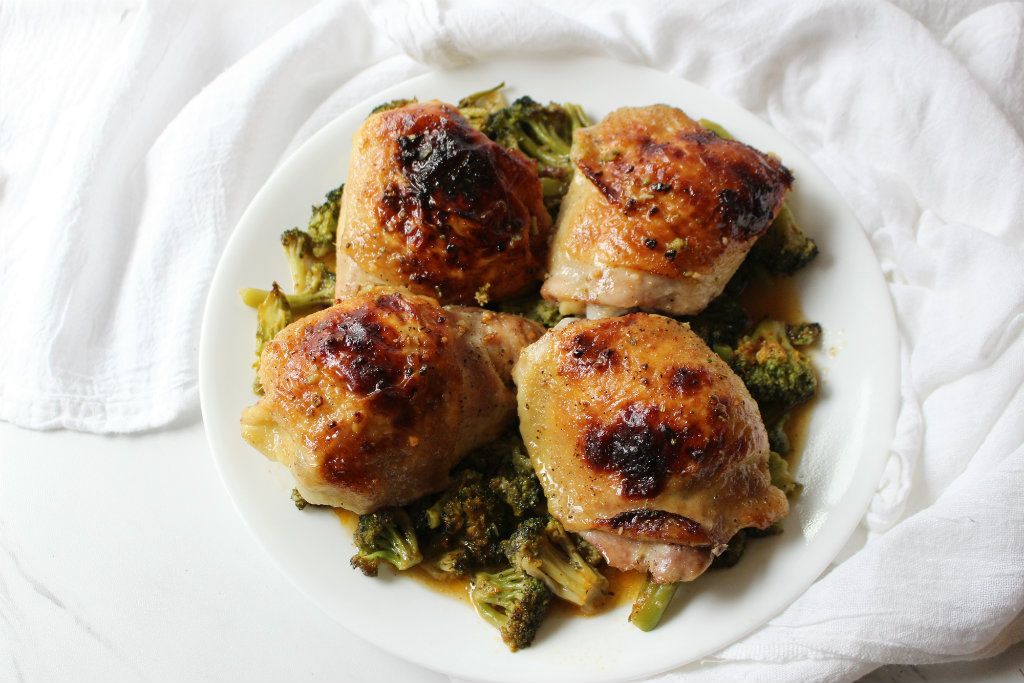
(128, 154)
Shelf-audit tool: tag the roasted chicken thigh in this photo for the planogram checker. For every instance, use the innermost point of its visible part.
(645, 442)
(372, 401)
(433, 205)
(660, 212)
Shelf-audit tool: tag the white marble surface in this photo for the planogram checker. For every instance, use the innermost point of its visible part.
(122, 559)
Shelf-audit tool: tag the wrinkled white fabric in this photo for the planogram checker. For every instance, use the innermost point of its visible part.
(123, 169)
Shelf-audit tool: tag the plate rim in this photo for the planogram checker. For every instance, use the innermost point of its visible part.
(849, 517)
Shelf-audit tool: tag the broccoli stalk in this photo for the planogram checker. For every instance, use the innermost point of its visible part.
(783, 248)
(512, 602)
(651, 602)
(385, 535)
(542, 548)
(774, 371)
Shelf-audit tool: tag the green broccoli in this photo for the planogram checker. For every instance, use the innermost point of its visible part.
(773, 370)
(320, 294)
(781, 476)
(467, 523)
(323, 223)
(512, 602)
(720, 324)
(516, 482)
(542, 548)
(385, 535)
(479, 106)
(784, 249)
(543, 133)
(273, 314)
(533, 308)
(651, 602)
(299, 501)
(393, 104)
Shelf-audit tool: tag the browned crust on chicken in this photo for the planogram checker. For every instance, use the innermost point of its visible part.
(434, 205)
(661, 212)
(372, 401)
(637, 428)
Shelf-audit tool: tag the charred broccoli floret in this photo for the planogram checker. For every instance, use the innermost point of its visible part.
(721, 323)
(783, 248)
(543, 133)
(544, 550)
(385, 535)
(273, 313)
(512, 602)
(517, 484)
(803, 334)
(393, 104)
(733, 553)
(467, 524)
(479, 106)
(773, 370)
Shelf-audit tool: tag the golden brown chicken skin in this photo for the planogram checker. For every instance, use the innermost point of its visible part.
(660, 213)
(645, 442)
(372, 401)
(432, 204)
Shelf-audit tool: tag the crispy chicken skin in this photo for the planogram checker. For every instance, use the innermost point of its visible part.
(660, 213)
(372, 401)
(645, 442)
(433, 205)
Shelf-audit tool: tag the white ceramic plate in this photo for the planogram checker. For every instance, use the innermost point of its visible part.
(848, 437)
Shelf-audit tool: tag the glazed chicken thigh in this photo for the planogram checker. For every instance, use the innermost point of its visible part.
(660, 212)
(645, 442)
(433, 205)
(372, 401)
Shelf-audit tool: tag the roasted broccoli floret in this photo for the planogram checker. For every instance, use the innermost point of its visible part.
(467, 523)
(385, 535)
(783, 248)
(544, 550)
(533, 308)
(323, 223)
(721, 323)
(803, 334)
(273, 313)
(773, 370)
(781, 476)
(393, 104)
(543, 133)
(299, 501)
(479, 106)
(516, 482)
(512, 602)
(651, 602)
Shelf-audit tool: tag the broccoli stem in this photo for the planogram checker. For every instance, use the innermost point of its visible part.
(651, 603)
